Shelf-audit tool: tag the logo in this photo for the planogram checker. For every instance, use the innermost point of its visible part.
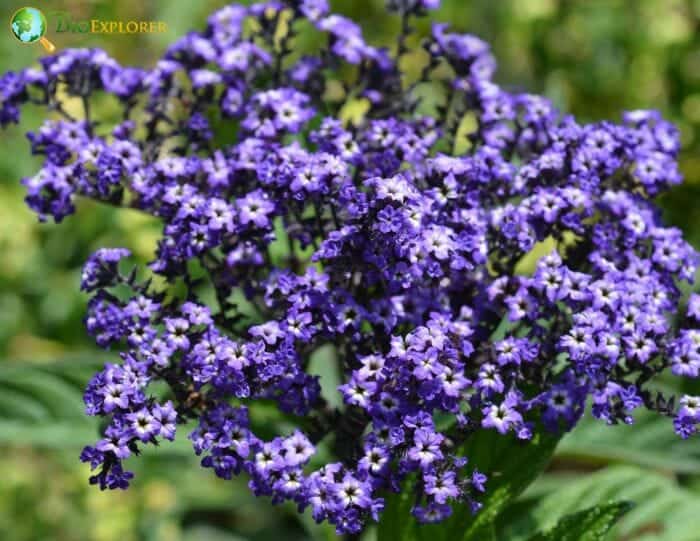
(29, 26)
(66, 23)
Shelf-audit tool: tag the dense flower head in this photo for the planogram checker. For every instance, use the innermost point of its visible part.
(288, 229)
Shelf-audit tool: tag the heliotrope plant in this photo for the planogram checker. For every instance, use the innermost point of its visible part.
(386, 238)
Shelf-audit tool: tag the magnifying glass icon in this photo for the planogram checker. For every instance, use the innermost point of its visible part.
(29, 26)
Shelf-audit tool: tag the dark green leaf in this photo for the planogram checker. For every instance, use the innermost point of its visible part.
(511, 466)
(649, 442)
(42, 404)
(51, 434)
(663, 511)
(197, 533)
(591, 524)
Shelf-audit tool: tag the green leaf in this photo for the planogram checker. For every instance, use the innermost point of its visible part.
(663, 511)
(17, 405)
(591, 524)
(324, 363)
(42, 404)
(511, 465)
(53, 435)
(210, 533)
(396, 522)
(61, 399)
(649, 442)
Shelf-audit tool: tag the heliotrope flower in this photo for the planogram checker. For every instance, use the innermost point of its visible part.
(296, 232)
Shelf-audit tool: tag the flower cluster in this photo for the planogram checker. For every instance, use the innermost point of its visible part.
(393, 240)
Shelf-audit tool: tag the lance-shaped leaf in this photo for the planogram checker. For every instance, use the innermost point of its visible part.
(511, 465)
(591, 524)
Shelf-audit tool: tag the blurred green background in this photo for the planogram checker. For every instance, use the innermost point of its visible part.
(593, 58)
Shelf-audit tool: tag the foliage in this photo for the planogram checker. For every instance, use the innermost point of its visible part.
(512, 465)
(662, 510)
(591, 524)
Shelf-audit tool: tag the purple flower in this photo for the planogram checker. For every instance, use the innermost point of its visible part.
(100, 269)
(503, 417)
(297, 449)
(300, 237)
(441, 487)
(255, 208)
(431, 513)
(144, 424)
(688, 416)
(426, 447)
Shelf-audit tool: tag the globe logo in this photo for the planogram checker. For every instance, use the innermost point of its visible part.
(29, 26)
